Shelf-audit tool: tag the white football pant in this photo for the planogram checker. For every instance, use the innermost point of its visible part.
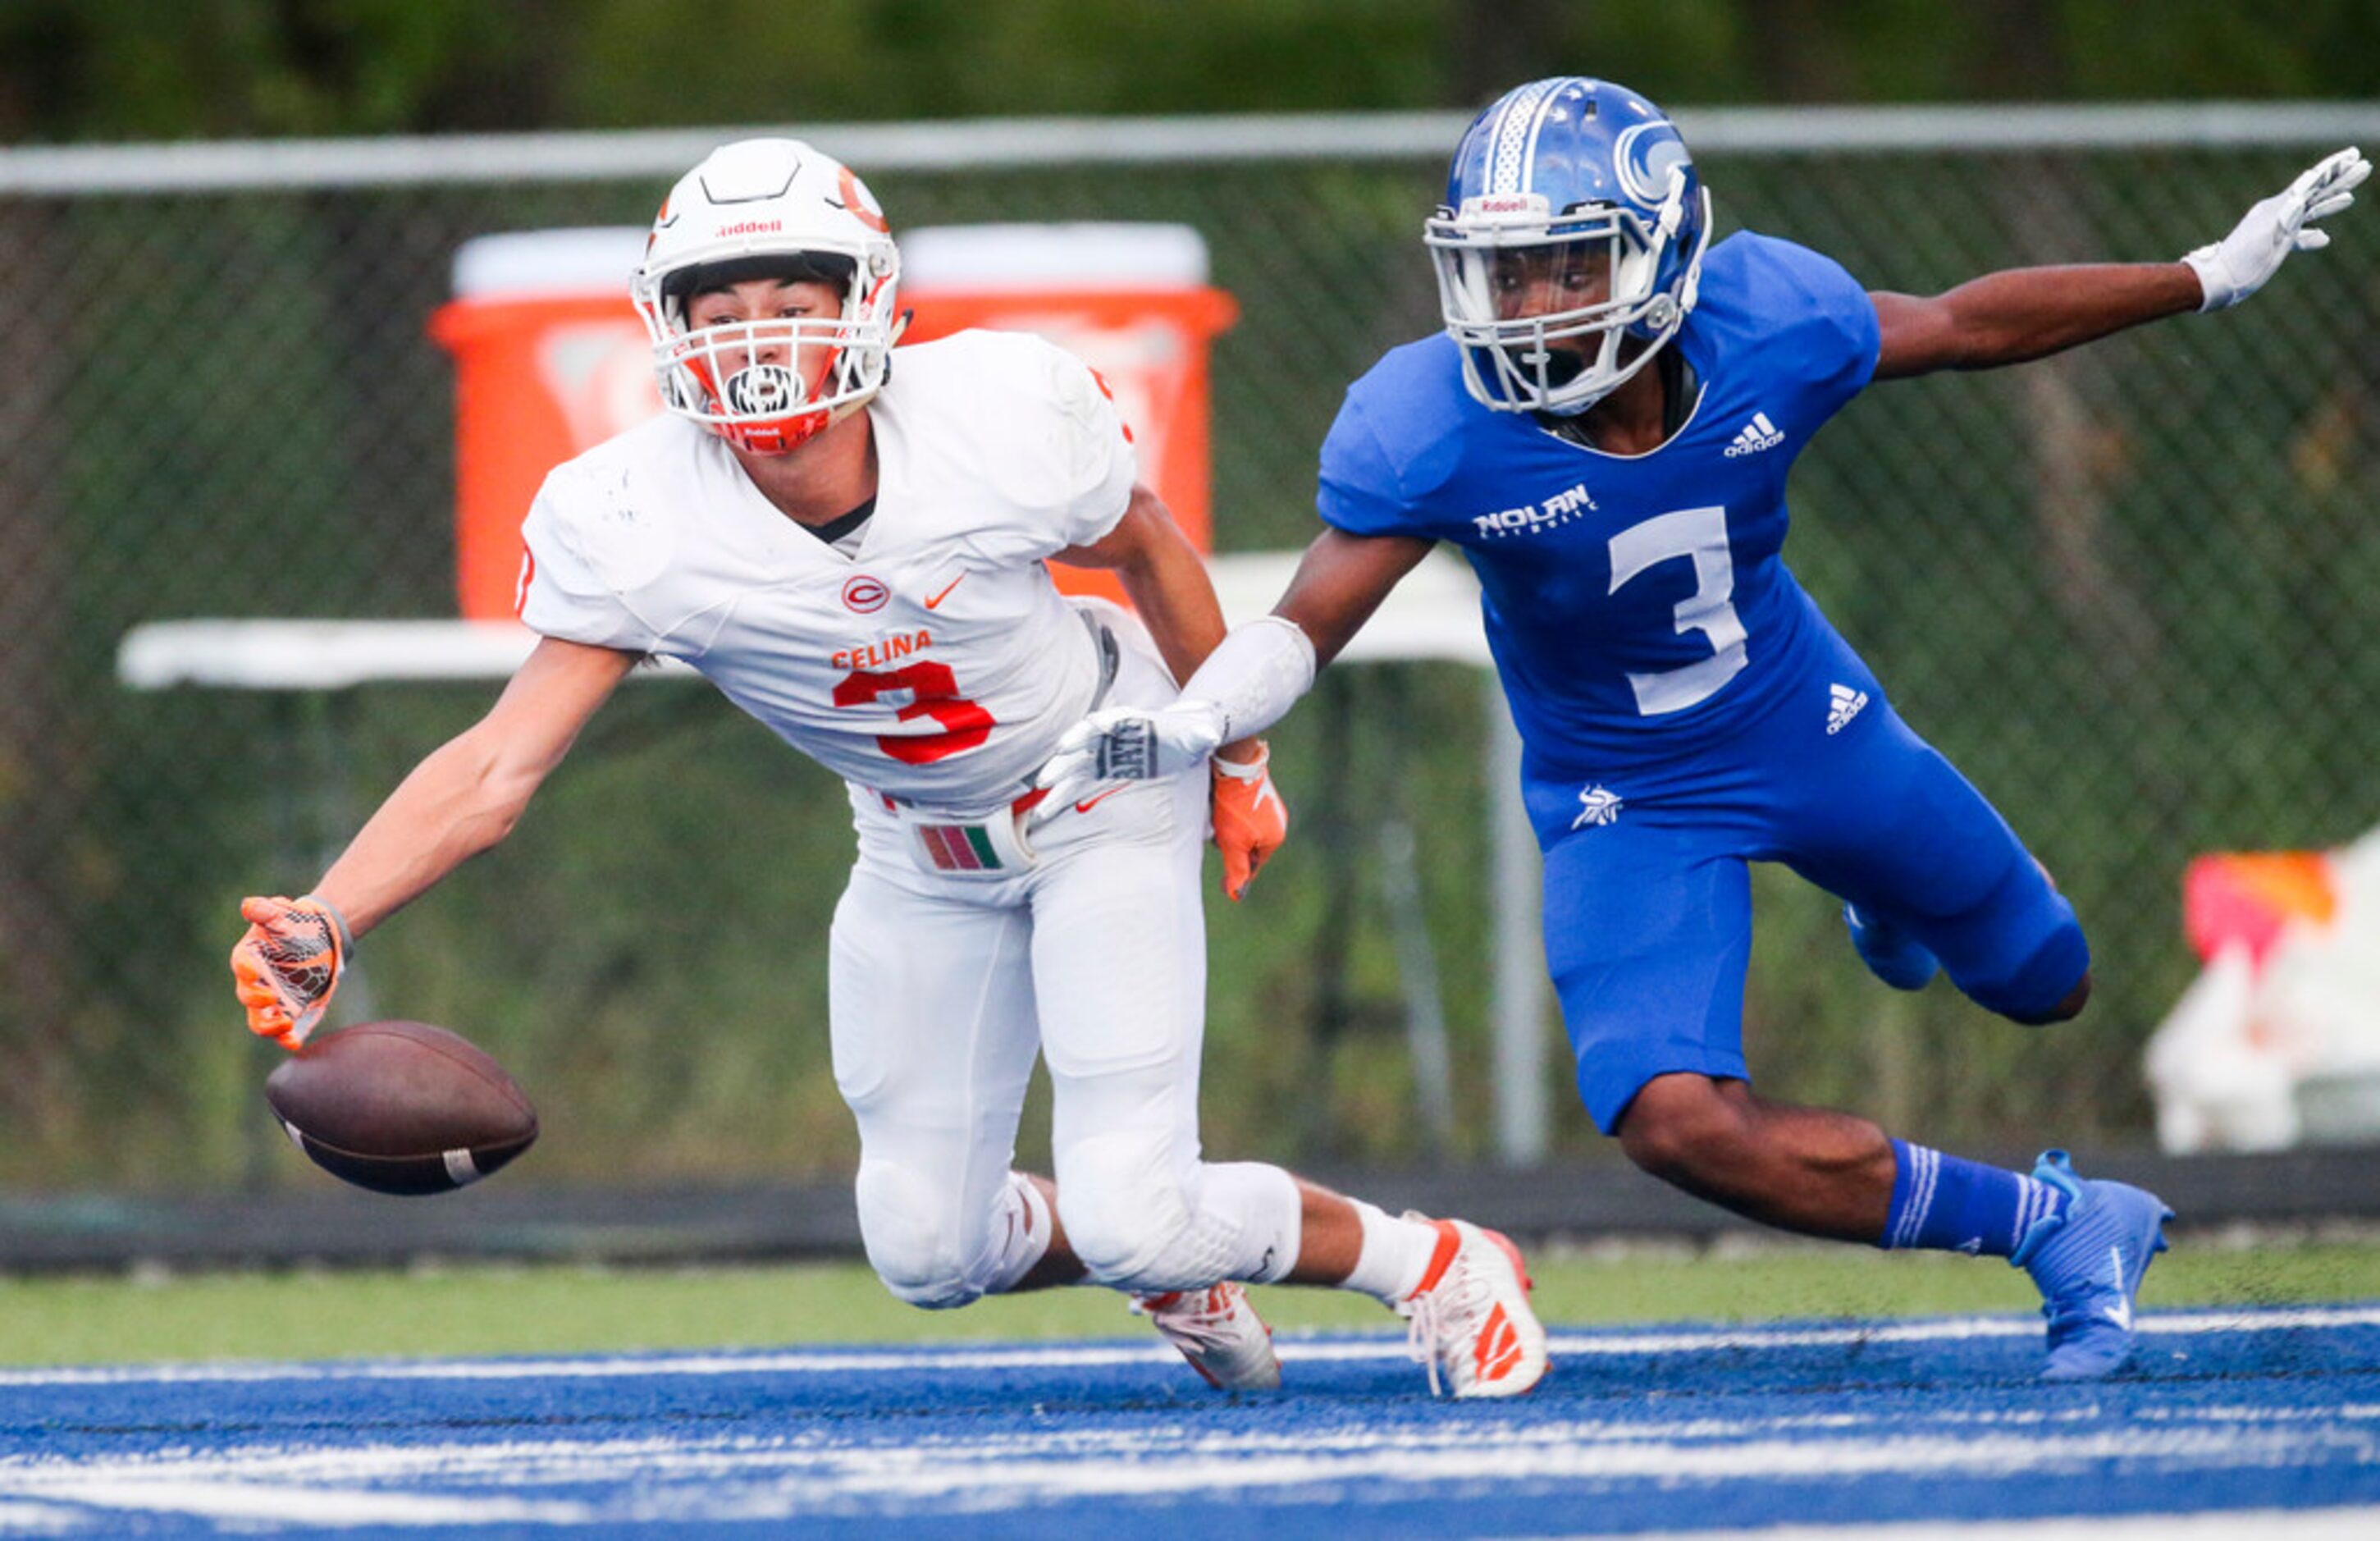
(943, 986)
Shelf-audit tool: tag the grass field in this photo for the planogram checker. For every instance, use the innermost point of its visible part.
(487, 1310)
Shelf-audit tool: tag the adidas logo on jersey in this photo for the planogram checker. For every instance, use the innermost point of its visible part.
(1755, 436)
(1846, 704)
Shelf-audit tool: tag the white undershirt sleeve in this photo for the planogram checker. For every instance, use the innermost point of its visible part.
(1255, 674)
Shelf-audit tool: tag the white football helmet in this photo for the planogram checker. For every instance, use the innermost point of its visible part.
(769, 208)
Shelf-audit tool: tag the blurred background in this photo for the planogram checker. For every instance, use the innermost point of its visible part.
(2126, 592)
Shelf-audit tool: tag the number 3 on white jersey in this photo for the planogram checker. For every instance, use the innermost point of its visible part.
(1700, 533)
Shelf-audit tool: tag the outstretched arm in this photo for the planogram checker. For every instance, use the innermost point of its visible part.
(462, 799)
(2008, 318)
(1340, 580)
(1251, 679)
(468, 792)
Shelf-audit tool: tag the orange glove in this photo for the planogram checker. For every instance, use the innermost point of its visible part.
(286, 968)
(1250, 818)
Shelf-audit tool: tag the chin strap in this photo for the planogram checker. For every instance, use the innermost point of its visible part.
(1673, 206)
(1692, 289)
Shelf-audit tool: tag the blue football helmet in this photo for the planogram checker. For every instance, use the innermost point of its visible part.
(1573, 211)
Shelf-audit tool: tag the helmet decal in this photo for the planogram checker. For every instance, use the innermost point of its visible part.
(735, 174)
(859, 201)
(1516, 134)
(1645, 154)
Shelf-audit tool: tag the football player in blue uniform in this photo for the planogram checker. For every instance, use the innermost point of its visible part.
(1604, 428)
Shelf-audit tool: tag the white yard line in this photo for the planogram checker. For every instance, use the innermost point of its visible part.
(751, 1477)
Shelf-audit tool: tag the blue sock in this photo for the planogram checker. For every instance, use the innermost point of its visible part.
(1949, 1205)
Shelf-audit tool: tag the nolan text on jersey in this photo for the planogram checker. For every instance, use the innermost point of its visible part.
(1530, 519)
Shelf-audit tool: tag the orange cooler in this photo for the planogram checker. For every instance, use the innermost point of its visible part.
(551, 359)
(1130, 301)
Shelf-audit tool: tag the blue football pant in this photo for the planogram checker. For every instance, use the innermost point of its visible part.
(1648, 916)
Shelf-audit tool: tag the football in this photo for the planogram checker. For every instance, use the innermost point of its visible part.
(401, 1108)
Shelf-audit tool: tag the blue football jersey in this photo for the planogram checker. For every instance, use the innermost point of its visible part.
(1637, 605)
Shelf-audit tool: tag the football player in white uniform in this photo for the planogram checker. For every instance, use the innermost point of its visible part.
(851, 544)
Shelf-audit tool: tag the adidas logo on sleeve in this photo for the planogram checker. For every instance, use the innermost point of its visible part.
(1755, 436)
(1843, 704)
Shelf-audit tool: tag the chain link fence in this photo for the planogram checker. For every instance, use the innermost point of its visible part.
(2128, 590)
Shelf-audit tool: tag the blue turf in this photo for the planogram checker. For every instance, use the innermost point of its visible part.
(1634, 1430)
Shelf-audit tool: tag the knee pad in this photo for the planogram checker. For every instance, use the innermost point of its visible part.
(912, 1238)
(2017, 950)
(2032, 988)
(1137, 1228)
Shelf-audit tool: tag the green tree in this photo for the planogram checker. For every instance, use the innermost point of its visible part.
(115, 70)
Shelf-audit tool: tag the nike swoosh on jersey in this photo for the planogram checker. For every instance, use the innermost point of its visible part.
(1089, 804)
(935, 602)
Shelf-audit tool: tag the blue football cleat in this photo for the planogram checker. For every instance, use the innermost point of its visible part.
(1890, 954)
(2089, 1260)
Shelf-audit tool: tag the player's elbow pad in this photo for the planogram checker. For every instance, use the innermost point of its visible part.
(1254, 675)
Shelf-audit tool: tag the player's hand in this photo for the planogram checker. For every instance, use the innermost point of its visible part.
(1250, 818)
(1129, 744)
(286, 968)
(2238, 265)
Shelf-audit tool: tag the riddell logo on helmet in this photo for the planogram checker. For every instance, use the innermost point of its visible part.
(1506, 203)
(750, 228)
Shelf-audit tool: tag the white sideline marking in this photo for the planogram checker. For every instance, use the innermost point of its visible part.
(2182, 1323)
(2174, 1324)
(36, 1519)
(2295, 1525)
(99, 1487)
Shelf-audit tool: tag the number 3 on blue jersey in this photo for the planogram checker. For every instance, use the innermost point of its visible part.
(1700, 533)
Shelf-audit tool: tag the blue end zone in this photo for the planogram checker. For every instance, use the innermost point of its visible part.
(1643, 1429)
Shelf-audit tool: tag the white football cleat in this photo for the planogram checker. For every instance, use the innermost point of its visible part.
(1469, 1319)
(1219, 1331)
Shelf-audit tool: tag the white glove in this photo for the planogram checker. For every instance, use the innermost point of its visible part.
(2238, 265)
(1128, 744)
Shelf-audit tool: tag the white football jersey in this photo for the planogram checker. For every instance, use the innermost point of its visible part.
(938, 663)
